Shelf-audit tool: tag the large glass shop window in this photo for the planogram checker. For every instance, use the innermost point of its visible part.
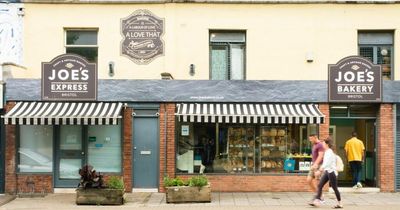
(236, 149)
(35, 150)
(104, 147)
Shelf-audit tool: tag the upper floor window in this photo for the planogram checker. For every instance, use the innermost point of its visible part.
(227, 55)
(378, 47)
(82, 42)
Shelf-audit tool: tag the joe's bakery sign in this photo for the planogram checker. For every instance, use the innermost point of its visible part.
(142, 32)
(355, 79)
(69, 77)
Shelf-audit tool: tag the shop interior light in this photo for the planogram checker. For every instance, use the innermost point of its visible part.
(339, 107)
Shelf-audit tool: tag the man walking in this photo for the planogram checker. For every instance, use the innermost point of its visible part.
(355, 156)
(317, 158)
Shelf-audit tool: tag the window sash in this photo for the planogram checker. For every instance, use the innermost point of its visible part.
(234, 62)
(83, 32)
(237, 62)
(219, 62)
(373, 52)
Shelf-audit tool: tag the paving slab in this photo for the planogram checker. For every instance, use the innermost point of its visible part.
(220, 201)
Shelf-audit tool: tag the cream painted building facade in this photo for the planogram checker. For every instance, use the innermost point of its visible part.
(279, 37)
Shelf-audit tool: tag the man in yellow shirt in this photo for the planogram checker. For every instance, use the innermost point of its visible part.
(355, 155)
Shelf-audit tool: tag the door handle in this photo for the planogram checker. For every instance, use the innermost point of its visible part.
(83, 153)
(134, 148)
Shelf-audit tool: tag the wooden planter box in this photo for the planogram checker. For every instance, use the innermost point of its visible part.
(183, 194)
(99, 196)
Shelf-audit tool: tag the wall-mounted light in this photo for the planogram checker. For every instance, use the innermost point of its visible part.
(191, 70)
(309, 57)
(111, 69)
(21, 11)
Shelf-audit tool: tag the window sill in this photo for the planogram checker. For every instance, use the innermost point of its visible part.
(35, 173)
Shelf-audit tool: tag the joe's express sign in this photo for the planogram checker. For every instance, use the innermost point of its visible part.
(355, 79)
(69, 77)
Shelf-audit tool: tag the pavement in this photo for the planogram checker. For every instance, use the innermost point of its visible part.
(220, 201)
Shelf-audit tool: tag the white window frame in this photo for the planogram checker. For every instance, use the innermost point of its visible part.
(66, 46)
(228, 43)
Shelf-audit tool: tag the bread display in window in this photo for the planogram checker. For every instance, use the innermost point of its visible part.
(273, 147)
(241, 149)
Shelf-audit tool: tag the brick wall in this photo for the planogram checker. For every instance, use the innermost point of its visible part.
(385, 148)
(127, 149)
(10, 175)
(39, 183)
(21, 183)
(324, 128)
(249, 183)
(169, 108)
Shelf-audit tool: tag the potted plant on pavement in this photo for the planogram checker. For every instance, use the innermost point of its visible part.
(195, 189)
(92, 189)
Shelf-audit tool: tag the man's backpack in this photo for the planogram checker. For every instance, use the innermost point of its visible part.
(339, 164)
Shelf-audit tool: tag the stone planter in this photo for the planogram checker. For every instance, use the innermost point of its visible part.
(99, 196)
(183, 194)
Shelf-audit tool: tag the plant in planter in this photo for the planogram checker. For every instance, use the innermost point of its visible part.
(195, 189)
(92, 189)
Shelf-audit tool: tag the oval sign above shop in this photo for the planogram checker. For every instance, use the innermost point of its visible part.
(142, 32)
(354, 79)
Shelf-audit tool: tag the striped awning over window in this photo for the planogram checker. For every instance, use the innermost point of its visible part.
(64, 113)
(250, 113)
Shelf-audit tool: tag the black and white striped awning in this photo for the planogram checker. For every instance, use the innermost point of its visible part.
(250, 113)
(64, 113)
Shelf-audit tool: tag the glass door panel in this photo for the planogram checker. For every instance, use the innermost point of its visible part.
(71, 153)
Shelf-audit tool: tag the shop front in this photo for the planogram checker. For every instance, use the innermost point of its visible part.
(245, 138)
(240, 146)
(257, 146)
(55, 139)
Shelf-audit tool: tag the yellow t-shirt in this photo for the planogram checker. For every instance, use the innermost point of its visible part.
(355, 149)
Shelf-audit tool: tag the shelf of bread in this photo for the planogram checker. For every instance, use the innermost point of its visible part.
(241, 149)
(272, 147)
(271, 164)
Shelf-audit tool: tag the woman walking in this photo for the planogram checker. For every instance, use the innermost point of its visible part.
(329, 173)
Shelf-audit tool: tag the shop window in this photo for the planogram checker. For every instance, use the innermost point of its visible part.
(82, 42)
(35, 152)
(104, 147)
(243, 148)
(378, 47)
(227, 55)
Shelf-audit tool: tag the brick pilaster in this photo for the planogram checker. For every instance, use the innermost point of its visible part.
(127, 148)
(10, 173)
(385, 148)
(167, 112)
(324, 127)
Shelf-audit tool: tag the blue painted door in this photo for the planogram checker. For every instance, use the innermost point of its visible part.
(145, 150)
